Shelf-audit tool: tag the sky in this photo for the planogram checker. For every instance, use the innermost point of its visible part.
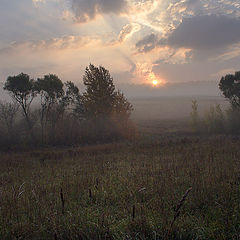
(138, 41)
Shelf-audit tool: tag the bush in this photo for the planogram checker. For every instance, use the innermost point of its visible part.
(233, 120)
(212, 122)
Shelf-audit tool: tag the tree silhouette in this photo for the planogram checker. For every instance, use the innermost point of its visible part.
(50, 88)
(121, 105)
(99, 97)
(8, 113)
(102, 103)
(73, 98)
(21, 90)
(230, 87)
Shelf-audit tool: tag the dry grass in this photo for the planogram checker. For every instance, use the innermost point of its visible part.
(123, 191)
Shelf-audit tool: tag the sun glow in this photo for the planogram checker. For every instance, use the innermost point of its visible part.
(155, 81)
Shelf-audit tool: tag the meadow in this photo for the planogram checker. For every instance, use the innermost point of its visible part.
(174, 185)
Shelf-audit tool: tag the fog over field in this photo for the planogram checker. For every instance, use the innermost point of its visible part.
(170, 102)
(172, 108)
(166, 109)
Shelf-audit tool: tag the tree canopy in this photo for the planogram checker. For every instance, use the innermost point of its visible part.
(230, 87)
(50, 88)
(101, 99)
(21, 89)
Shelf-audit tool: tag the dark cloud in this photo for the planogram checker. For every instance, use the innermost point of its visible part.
(148, 43)
(206, 32)
(86, 10)
(211, 33)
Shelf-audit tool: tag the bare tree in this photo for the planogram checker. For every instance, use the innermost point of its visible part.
(8, 113)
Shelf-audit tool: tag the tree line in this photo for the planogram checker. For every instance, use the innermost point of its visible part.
(64, 115)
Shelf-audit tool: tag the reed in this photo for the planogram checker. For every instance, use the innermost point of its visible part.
(62, 201)
(177, 210)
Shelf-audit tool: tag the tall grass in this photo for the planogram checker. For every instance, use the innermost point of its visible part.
(123, 191)
(215, 120)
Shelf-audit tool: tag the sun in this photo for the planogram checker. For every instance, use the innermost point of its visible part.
(154, 82)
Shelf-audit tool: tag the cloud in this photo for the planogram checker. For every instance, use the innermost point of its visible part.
(206, 35)
(206, 32)
(128, 30)
(86, 10)
(37, 2)
(223, 72)
(63, 43)
(66, 56)
(232, 53)
(148, 43)
(169, 36)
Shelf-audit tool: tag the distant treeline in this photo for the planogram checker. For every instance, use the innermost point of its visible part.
(64, 116)
(100, 114)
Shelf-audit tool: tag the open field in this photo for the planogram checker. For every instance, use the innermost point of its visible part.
(128, 190)
(170, 115)
(172, 108)
(123, 191)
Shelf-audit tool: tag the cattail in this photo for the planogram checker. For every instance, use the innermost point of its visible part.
(62, 200)
(133, 212)
(90, 193)
(55, 236)
(177, 209)
(97, 183)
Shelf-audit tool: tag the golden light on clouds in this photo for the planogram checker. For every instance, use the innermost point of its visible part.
(139, 41)
(144, 74)
(155, 81)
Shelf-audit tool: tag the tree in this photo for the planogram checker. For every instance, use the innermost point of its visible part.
(50, 88)
(74, 99)
(21, 90)
(101, 99)
(98, 100)
(121, 106)
(230, 87)
(8, 112)
(72, 92)
(102, 103)
(195, 120)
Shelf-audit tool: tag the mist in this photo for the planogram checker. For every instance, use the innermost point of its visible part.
(120, 119)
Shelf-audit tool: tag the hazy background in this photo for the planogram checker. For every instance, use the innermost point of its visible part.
(171, 102)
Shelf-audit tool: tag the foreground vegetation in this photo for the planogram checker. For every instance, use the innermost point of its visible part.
(123, 191)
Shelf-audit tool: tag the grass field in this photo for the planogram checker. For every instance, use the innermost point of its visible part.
(123, 191)
(172, 108)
